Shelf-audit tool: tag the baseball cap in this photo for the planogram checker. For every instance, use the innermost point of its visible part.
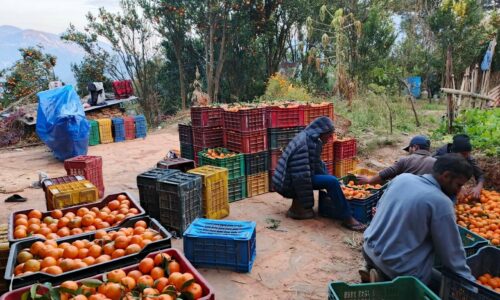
(461, 143)
(420, 140)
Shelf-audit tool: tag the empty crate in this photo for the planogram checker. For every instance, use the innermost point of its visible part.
(148, 196)
(141, 127)
(89, 167)
(70, 194)
(221, 244)
(256, 163)
(118, 129)
(215, 191)
(105, 131)
(94, 133)
(237, 189)
(257, 184)
(181, 164)
(129, 124)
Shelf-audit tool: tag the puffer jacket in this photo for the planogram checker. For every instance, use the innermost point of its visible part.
(300, 161)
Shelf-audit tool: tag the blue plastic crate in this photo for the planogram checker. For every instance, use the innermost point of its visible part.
(141, 127)
(118, 129)
(221, 244)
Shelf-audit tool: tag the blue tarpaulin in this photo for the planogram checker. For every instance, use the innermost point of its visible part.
(61, 123)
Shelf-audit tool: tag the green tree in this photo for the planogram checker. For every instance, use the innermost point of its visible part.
(28, 76)
(89, 70)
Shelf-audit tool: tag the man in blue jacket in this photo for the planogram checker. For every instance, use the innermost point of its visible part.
(415, 221)
(300, 171)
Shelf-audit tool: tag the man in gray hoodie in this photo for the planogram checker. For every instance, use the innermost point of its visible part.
(415, 221)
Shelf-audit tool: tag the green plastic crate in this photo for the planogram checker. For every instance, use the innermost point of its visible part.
(471, 241)
(94, 133)
(237, 189)
(403, 287)
(234, 164)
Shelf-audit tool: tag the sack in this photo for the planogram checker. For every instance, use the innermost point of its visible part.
(61, 123)
(97, 96)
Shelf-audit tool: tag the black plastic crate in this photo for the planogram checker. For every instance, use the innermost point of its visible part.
(116, 263)
(256, 163)
(185, 134)
(181, 164)
(187, 151)
(237, 189)
(148, 196)
(180, 200)
(278, 138)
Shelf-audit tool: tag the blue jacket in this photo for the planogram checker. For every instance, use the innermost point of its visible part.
(300, 161)
(414, 222)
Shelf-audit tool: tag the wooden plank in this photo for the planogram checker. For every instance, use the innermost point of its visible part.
(474, 95)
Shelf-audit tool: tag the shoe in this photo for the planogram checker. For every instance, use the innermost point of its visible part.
(16, 198)
(298, 212)
(374, 276)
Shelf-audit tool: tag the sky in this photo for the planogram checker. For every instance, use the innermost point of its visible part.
(53, 16)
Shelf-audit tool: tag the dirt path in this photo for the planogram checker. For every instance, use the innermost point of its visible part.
(295, 261)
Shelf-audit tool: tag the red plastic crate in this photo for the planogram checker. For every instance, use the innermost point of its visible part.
(278, 117)
(89, 167)
(185, 266)
(206, 117)
(344, 149)
(246, 142)
(330, 167)
(313, 112)
(208, 137)
(274, 157)
(247, 120)
(123, 89)
(196, 150)
(327, 153)
(129, 128)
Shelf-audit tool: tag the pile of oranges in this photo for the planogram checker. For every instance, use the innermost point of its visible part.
(53, 258)
(59, 225)
(351, 193)
(481, 217)
(363, 186)
(157, 278)
(217, 153)
(489, 281)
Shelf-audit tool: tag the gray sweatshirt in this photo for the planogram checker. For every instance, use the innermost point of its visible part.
(415, 220)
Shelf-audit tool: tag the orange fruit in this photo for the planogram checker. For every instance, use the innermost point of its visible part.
(63, 222)
(19, 269)
(136, 239)
(185, 278)
(63, 231)
(195, 290)
(34, 221)
(79, 297)
(128, 282)
(70, 215)
(82, 211)
(161, 283)
(78, 244)
(135, 274)
(133, 210)
(108, 249)
(116, 275)
(52, 236)
(148, 235)
(145, 280)
(83, 252)
(99, 234)
(36, 247)
(132, 248)
(70, 252)
(70, 285)
(119, 217)
(21, 216)
(164, 297)
(145, 242)
(67, 264)
(56, 214)
(102, 258)
(54, 270)
(173, 267)
(24, 256)
(53, 227)
(95, 251)
(21, 221)
(125, 202)
(48, 262)
(117, 253)
(114, 205)
(87, 220)
(31, 265)
(89, 260)
(121, 197)
(176, 279)
(121, 242)
(150, 292)
(20, 233)
(79, 265)
(157, 272)
(35, 214)
(141, 223)
(139, 230)
(160, 257)
(146, 265)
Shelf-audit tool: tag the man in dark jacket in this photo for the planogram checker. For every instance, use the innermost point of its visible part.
(300, 171)
(461, 144)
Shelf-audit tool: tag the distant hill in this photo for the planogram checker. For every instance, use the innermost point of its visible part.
(13, 38)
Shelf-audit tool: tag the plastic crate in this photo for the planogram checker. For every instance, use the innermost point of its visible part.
(122, 89)
(116, 263)
(148, 196)
(271, 187)
(187, 151)
(246, 120)
(196, 153)
(215, 191)
(118, 129)
(343, 149)
(257, 184)
(180, 200)
(344, 166)
(403, 287)
(283, 117)
(70, 194)
(471, 242)
(185, 266)
(327, 153)
(129, 124)
(256, 163)
(454, 287)
(330, 167)
(210, 137)
(94, 133)
(105, 131)
(4, 248)
(206, 117)
(181, 164)
(185, 134)
(221, 244)
(235, 164)
(246, 142)
(313, 112)
(141, 127)
(361, 210)
(60, 180)
(89, 167)
(279, 138)
(74, 209)
(275, 156)
(237, 189)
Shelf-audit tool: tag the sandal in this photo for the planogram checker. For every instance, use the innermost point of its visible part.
(359, 227)
(16, 198)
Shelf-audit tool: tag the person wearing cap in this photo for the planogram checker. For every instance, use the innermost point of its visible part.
(461, 144)
(419, 162)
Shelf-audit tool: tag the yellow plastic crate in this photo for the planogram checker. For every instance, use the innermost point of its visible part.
(105, 131)
(257, 184)
(344, 166)
(70, 194)
(364, 172)
(215, 191)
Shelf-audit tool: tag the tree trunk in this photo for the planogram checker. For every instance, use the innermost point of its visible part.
(220, 63)
(449, 84)
(182, 76)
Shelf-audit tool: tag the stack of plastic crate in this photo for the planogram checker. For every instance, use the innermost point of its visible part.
(94, 133)
(207, 126)
(344, 153)
(105, 131)
(215, 191)
(129, 124)
(118, 129)
(148, 195)
(141, 126)
(90, 167)
(186, 140)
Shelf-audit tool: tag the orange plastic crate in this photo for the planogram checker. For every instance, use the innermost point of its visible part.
(257, 184)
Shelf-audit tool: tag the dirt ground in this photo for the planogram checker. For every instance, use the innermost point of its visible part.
(296, 260)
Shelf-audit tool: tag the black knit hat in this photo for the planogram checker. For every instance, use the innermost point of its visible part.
(461, 143)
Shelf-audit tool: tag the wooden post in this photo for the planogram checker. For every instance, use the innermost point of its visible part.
(449, 84)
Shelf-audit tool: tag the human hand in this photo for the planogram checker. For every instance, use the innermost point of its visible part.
(476, 192)
(363, 179)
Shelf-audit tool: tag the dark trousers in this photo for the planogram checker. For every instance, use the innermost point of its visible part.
(341, 209)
